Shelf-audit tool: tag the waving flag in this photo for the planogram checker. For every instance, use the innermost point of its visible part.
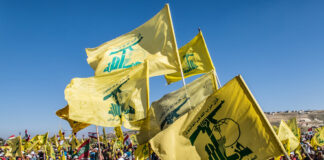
(292, 123)
(172, 106)
(195, 59)
(228, 125)
(142, 152)
(76, 126)
(318, 138)
(83, 151)
(127, 141)
(32, 143)
(74, 142)
(109, 100)
(153, 41)
(12, 137)
(134, 139)
(119, 133)
(16, 146)
(285, 133)
(50, 153)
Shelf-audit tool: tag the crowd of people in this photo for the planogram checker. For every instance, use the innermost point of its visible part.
(109, 151)
(306, 151)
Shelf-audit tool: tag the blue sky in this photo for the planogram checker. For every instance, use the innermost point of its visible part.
(277, 46)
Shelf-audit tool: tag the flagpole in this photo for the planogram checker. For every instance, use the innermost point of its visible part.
(98, 139)
(177, 52)
(176, 46)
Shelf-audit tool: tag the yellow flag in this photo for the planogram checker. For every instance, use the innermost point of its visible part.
(195, 59)
(119, 133)
(229, 125)
(104, 135)
(117, 145)
(275, 128)
(292, 123)
(173, 105)
(31, 144)
(170, 144)
(284, 133)
(6, 150)
(142, 152)
(54, 140)
(76, 126)
(298, 152)
(318, 138)
(63, 157)
(74, 142)
(16, 146)
(134, 139)
(61, 136)
(50, 151)
(37, 142)
(154, 41)
(108, 100)
(286, 144)
(43, 139)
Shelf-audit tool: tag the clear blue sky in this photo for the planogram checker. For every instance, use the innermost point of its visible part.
(278, 47)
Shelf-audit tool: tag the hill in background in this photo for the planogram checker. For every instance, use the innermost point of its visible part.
(305, 119)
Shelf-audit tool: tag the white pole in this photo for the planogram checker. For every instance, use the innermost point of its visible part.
(177, 54)
(175, 45)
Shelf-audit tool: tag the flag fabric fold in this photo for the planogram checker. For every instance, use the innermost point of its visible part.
(195, 59)
(318, 138)
(50, 153)
(153, 41)
(119, 133)
(16, 146)
(142, 152)
(74, 142)
(83, 151)
(292, 123)
(109, 100)
(228, 125)
(285, 134)
(76, 126)
(173, 105)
